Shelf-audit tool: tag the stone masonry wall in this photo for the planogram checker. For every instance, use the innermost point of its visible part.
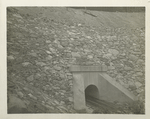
(40, 52)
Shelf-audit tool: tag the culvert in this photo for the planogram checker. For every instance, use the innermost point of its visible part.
(91, 91)
(94, 81)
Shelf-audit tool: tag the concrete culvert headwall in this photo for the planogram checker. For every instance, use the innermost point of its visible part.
(92, 81)
(91, 91)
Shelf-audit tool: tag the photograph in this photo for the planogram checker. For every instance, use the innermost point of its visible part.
(75, 59)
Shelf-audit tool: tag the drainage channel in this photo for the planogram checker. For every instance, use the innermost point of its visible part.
(95, 105)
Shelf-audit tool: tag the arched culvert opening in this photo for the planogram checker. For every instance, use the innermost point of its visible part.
(91, 91)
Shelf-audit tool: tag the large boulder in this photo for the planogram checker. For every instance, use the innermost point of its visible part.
(113, 52)
(16, 105)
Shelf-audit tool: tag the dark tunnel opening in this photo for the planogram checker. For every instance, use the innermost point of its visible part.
(91, 92)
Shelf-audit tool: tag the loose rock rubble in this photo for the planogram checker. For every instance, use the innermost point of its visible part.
(40, 51)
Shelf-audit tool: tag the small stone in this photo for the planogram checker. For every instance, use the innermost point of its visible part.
(31, 83)
(89, 110)
(62, 76)
(48, 41)
(132, 87)
(62, 94)
(61, 110)
(27, 89)
(56, 93)
(37, 76)
(63, 87)
(88, 37)
(40, 63)
(33, 97)
(107, 56)
(48, 52)
(17, 15)
(10, 57)
(63, 91)
(113, 52)
(57, 68)
(52, 50)
(20, 94)
(36, 84)
(137, 53)
(49, 57)
(56, 102)
(138, 84)
(79, 24)
(43, 102)
(62, 107)
(87, 50)
(68, 55)
(15, 52)
(130, 82)
(135, 92)
(33, 54)
(69, 77)
(64, 43)
(69, 74)
(121, 82)
(139, 74)
(140, 61)
(56, 88)
(111, 67)
(139, 69)
(46, 88)
(70, 99)
(133, 57)
(30, 78)
(139, 90)
(46, 68)
(90, 56)
(62, 102)
(119, 66)
(75, 54)
(26, 64)
(127, 68)
(126, 86)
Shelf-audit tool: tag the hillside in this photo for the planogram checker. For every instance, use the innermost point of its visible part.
(42, 43)
(87, 17)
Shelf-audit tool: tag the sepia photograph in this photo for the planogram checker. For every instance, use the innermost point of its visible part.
(75, 60)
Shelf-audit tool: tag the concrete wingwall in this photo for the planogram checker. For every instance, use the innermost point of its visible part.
(109, 90)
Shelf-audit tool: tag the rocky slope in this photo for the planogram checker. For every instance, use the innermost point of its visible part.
(42, 43)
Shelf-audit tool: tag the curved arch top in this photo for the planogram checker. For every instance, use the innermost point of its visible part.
(92, 91)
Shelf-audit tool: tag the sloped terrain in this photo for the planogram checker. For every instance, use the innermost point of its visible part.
(42, 43)
(87, 17)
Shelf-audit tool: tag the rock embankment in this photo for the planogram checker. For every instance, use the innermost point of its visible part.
(40, 51)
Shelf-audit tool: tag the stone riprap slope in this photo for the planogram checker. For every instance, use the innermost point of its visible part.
(41, 47)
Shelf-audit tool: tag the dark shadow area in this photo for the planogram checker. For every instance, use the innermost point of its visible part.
(91, 91)
(113, 9)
